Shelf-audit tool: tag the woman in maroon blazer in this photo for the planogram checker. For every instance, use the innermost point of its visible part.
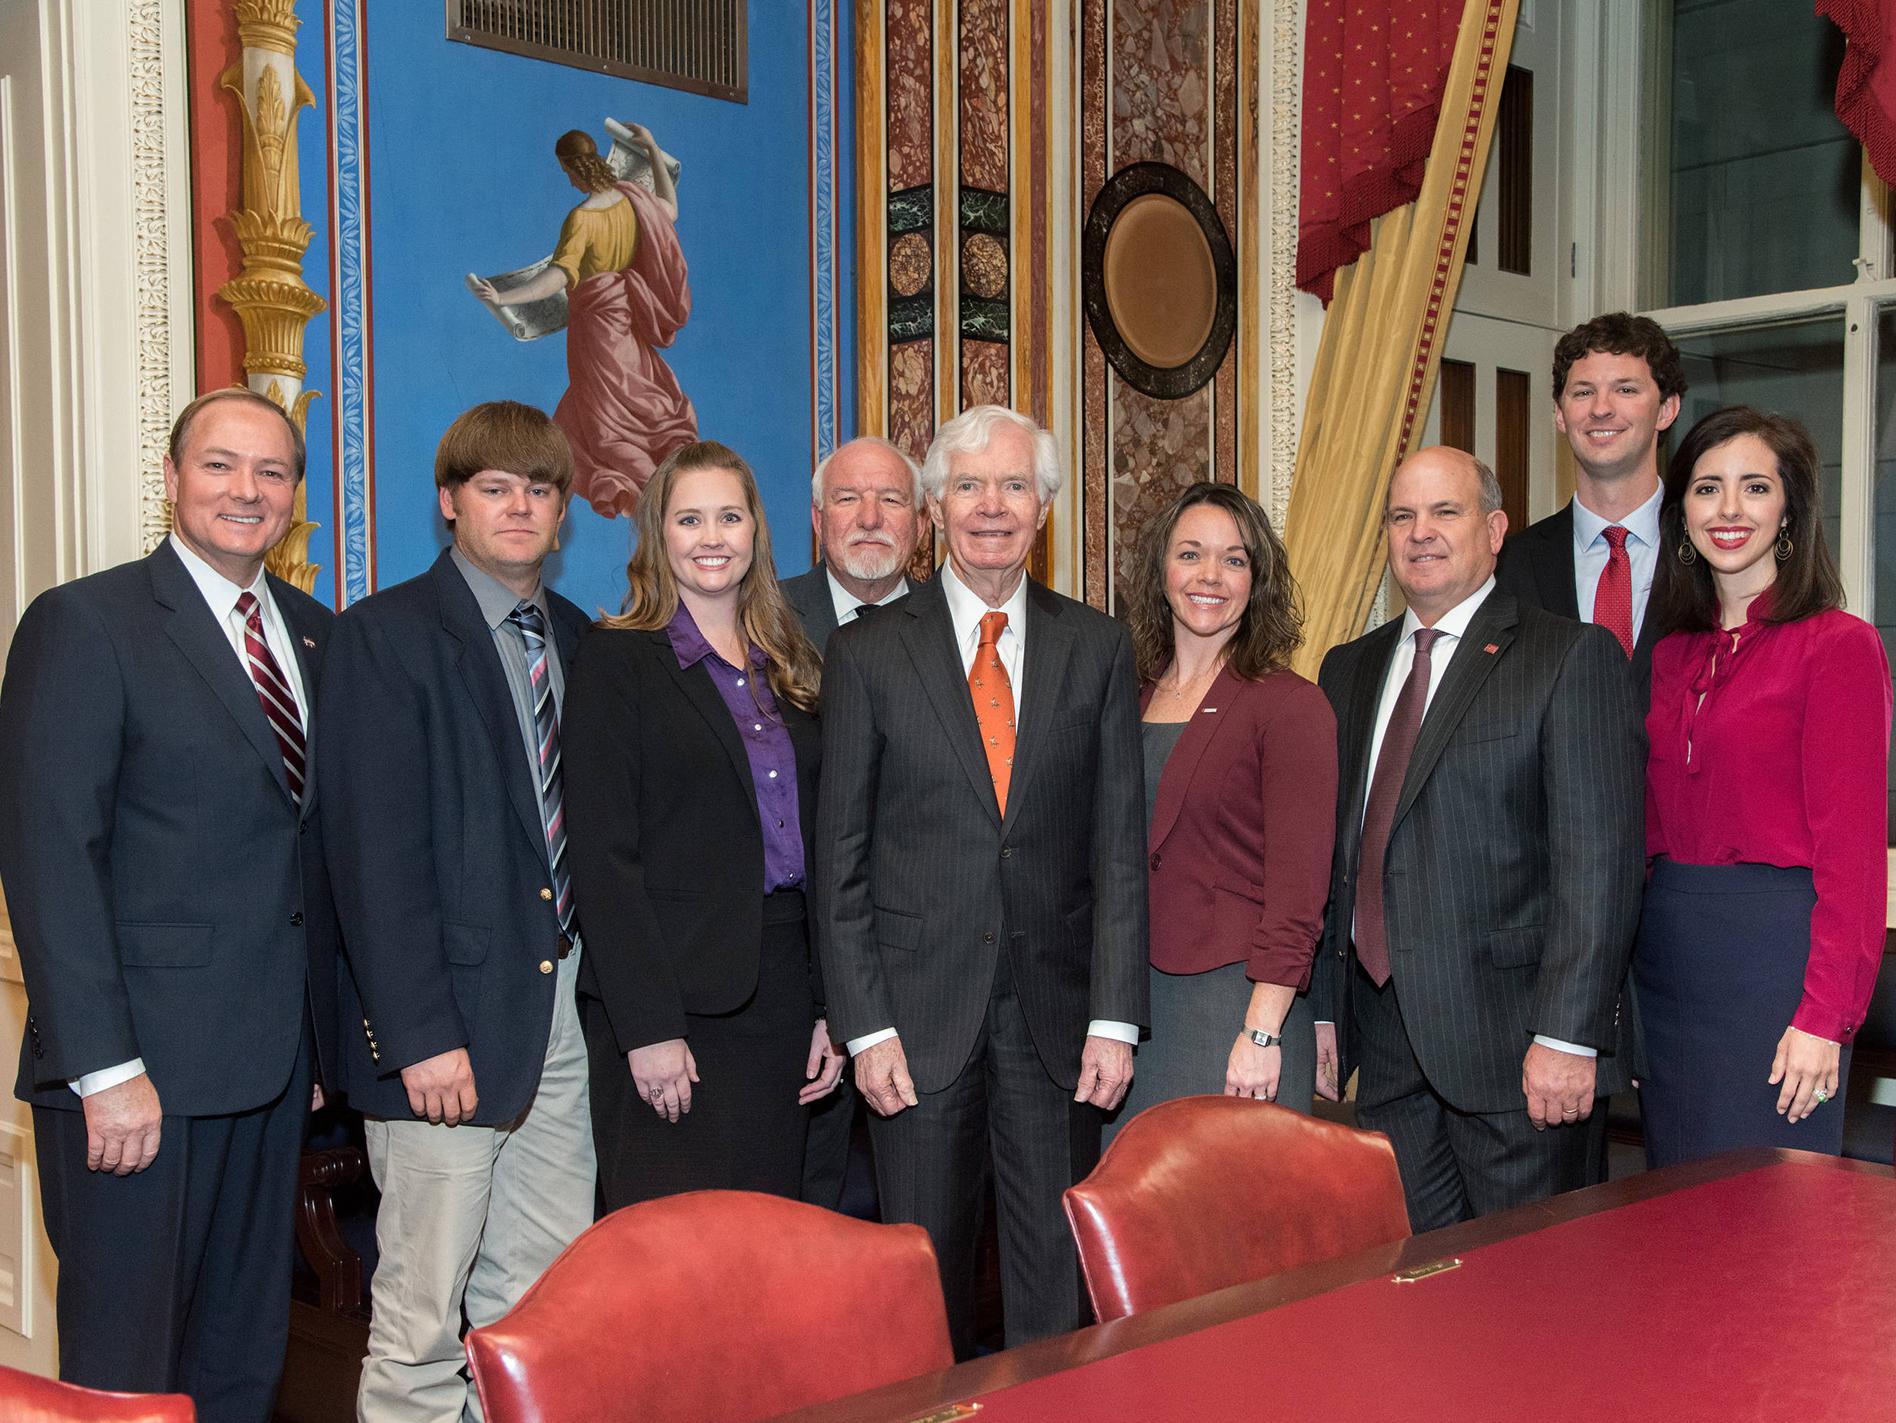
(1240, 756)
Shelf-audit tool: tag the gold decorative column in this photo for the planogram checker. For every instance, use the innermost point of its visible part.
(269, 294)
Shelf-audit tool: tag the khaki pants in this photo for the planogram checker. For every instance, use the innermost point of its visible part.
(470, 1216)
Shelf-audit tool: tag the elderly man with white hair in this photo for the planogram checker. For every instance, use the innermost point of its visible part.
(980, 878)
(865, 507)
(866, 510)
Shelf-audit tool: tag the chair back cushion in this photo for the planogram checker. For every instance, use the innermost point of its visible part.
(711, 1307)
(28, 1398)
(1203, 1192)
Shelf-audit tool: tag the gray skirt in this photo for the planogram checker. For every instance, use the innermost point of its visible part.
(1195, 1018)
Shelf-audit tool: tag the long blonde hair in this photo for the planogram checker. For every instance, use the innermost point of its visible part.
(764, 615)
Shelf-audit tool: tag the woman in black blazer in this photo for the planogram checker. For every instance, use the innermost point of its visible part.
(691, 751)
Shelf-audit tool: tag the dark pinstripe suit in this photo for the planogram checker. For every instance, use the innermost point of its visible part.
(1511, 892)
(988, 944)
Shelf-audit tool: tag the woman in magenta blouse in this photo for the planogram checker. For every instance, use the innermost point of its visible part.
(1766, 805)
(1240, 774)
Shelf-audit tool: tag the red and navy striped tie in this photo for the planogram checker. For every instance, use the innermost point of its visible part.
(273, 691)
(546, 738)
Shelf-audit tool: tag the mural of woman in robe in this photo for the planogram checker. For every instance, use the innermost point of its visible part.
(622, 270)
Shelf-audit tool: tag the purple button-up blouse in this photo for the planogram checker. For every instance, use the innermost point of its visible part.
(773, 759)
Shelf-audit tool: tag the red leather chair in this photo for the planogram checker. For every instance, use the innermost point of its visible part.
(714, 1307)
(1204, 1192)
(28, 1398)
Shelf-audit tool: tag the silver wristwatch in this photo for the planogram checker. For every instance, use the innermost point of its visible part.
(1262, 1038)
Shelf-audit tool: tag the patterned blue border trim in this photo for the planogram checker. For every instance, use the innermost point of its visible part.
(348, 271)
(823, 217)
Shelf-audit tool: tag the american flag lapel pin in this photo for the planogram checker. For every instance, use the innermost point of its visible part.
(1492, 648)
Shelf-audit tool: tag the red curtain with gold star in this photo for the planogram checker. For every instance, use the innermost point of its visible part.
(1374, 71)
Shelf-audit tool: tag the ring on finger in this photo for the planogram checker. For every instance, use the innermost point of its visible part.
(1821, 1096)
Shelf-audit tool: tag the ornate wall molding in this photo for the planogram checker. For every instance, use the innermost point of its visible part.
(152, 258)
(824, 277)
(1281, 387)
(353, 411)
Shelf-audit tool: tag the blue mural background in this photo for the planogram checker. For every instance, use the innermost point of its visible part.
(456, 174)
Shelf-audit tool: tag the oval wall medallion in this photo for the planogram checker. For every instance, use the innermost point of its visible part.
(1159, 280)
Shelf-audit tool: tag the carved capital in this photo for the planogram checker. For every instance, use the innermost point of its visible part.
(267, 24)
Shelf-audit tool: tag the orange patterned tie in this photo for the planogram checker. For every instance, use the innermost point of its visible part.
(994, 704)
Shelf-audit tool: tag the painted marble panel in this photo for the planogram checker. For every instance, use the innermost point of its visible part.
(984, 374)
(911, 77)
(1161, 85)
(1158, 447)
(912, 397)
(983, 94)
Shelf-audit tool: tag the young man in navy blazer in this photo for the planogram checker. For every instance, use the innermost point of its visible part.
(163, 864)
(462, 1039)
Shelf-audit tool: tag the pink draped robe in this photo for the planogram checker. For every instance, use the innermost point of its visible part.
(623, 410)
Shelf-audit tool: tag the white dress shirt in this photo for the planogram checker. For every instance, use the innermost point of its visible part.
(845, 602)
(1590, 552)
(1451, 625)
(221, 595)
(965, 611)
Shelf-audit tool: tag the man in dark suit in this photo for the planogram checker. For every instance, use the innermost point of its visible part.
(163, 867)
(442, 773)
(1617, 387)
(981, 878)
(1488, 865)
(865, 508)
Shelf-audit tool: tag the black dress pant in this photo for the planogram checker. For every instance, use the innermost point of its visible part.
(1004, 1113)
(745, 1129)
(1457, 1165)
(826, 1148)
(177, 1279)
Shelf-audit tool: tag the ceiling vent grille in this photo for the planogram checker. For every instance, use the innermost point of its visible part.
(695, 45)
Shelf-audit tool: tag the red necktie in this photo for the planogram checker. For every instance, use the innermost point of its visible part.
(1379, 816)
(1613, 598)
(273, 691)
(994, 704)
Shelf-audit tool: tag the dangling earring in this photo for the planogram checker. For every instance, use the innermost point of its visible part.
(1687, 554)
(1784, 547)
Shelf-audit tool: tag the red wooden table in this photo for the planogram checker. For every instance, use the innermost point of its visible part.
(1761, 1284)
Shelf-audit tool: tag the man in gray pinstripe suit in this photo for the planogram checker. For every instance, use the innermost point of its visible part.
(1489, 856)
(981, 916)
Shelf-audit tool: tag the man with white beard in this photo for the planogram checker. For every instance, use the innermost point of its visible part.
(865, 504)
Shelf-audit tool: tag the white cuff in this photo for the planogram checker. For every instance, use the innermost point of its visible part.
(867, 1040)
(87, 1083)
(1577, 1049)
(1118, 1032)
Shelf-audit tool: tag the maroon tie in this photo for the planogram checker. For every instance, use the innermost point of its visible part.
(1379, 816)
(273, 691)
(1613, 598)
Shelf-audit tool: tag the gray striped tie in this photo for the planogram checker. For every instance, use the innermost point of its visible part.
(546, 739)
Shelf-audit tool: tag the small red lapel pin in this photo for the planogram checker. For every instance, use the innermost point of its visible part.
(1492, 648)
